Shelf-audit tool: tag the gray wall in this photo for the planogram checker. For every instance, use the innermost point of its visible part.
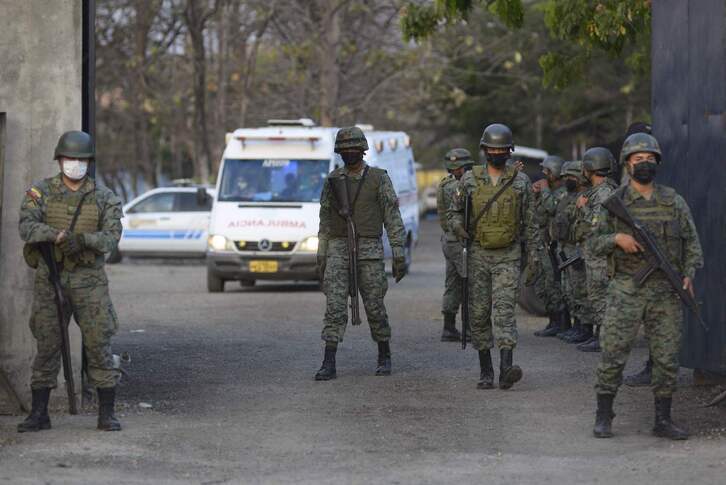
(689, 120)
(40, 94)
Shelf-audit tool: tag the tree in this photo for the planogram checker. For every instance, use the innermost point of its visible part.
(610, 26)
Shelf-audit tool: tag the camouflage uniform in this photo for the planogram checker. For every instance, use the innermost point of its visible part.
(655, 304)
(46, 210)
(495, 271)
(451, 247)
(545, 286)
(574, 282)
(377, 202)
(595, 266)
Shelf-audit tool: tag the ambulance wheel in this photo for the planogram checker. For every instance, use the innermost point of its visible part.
(247, 283)
(214, 283)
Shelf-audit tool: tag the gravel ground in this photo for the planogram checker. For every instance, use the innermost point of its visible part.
(228, 378)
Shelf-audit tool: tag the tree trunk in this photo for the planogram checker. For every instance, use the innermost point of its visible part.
(196, 16)
(328, 53)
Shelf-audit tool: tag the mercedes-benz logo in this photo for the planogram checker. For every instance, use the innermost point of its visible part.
(265, 245)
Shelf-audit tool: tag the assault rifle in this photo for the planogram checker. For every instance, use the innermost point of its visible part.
(566, 262)
(47, 250)
(341, 191)
(655, 259)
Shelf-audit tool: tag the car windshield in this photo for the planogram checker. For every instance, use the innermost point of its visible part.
(273, 180)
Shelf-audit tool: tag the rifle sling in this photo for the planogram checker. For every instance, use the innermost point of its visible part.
(357, 191)
(491, 201)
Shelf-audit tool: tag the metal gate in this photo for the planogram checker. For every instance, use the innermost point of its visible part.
(689, 120)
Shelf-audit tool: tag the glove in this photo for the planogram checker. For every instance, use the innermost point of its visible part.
(460, 232)
(399, 264)
(72, 244)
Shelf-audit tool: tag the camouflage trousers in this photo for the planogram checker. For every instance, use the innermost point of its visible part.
(545, 286)
(658, 309)
(453, 283)
(574, 287)
(372, 285)
(596, 269)
(493, 290)
(86, 291)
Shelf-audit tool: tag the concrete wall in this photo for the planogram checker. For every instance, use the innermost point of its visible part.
(40, 94)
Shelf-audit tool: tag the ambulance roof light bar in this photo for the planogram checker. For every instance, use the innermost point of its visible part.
(306, 122)
(245, 138)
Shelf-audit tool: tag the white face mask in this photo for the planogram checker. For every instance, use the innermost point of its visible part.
(75, 169)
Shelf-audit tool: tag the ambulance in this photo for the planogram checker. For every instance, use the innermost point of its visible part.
(264, 221)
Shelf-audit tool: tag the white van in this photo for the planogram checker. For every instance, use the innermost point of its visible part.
(264, 221)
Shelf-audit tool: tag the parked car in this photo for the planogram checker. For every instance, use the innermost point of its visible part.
(166, 222)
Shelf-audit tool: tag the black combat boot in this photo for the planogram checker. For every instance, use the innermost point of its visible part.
(486, 377)
(106, 419)
(508, 374)
(583, 335)
(327, 371)
(450, 333)
(642, 378)
(604, 416)
(38, 418)
(384, 359)
(573, 330)
(664, 426)
(592, 345)
(553, 328)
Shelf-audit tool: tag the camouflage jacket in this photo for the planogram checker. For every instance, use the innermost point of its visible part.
(368, 248)
(681, 227)
(587, 216)
(528, 231)
(445, 194)
(545, 207)
(33, 228)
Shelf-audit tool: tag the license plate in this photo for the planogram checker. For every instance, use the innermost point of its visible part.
(263, 266)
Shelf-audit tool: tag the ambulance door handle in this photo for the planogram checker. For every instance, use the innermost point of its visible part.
(164, 218)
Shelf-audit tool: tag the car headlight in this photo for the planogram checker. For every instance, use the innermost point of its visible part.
(309, 245)
(218, 242)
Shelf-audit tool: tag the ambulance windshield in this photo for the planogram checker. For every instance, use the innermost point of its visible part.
(273, 180)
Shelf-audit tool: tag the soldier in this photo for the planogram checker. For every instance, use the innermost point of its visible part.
(598, 165)
(374, 205)
(45, 217)
(457, 162)
(496, 249)
(547, 194)
(574, 280)
(655, 304)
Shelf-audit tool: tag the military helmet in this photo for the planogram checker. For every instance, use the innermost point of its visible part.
(497, 135)
(573, 169)
(75, 144)
(553, 163)
(640, 142)
(458, 158)
(599, 160)
(351, 137)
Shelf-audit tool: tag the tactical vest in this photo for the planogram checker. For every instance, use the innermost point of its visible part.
(660, 217)
(499, 227)
(367, 213)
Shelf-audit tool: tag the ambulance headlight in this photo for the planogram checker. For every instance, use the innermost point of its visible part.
(218, 242)
(309, 245)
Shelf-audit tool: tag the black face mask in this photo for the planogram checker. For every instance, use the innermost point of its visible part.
(498, 160)
(644, 172)
(351, 158)
(571, 185)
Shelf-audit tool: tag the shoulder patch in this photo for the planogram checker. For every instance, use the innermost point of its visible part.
(34, 194)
